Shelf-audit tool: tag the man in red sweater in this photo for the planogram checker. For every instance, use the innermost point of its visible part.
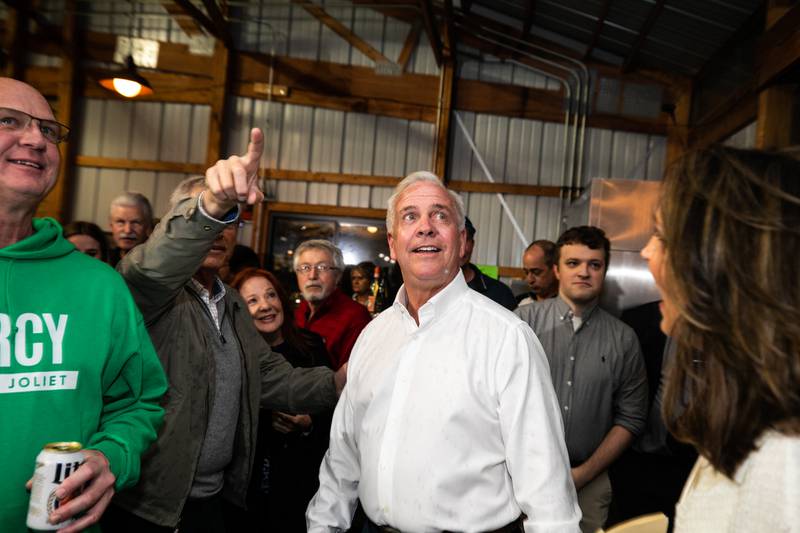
(326, 310)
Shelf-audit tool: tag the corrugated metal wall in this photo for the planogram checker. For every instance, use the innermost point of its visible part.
(531, 152)
(313, 139)
(744, 138)
(135, 130)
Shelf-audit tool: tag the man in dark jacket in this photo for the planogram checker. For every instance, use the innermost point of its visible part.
(220, 369)
(478, 281)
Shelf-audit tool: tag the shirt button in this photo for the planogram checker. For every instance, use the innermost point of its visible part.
(572, 358)
(207, 228)
(569, 383)
(566, 407)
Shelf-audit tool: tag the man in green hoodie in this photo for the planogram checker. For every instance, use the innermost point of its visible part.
(76, 362)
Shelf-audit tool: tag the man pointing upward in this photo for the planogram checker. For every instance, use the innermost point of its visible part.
(220, 369)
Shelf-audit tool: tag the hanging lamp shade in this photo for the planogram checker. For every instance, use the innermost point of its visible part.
(127, 82)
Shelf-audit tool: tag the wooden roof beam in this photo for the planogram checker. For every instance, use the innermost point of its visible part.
(342, 31)
(409, 45)
(211, 26)
(432, 30)
(217, 16)
(530, 14)
(655, 12)
(601, 20)
(778, 48)
(189, 25)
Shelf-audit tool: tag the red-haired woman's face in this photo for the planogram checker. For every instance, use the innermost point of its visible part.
(264, 305)
(655, 252)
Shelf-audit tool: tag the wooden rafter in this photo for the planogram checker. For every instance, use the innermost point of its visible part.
(449, 35)
(409, 46)
(432, 29)
(188, 78)
(655, 12)
(211, 26)
(601, 20)
(530, 14)
(188, 24)
(779, 48)
(215, 13)
(342, 31)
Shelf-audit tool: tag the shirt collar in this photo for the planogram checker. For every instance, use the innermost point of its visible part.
(217, 290)
(439, 304)
(565, 312)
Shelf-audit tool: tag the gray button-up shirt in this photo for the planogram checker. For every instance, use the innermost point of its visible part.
(597, 370)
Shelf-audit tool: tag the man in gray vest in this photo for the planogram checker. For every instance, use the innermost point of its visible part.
(220, 369)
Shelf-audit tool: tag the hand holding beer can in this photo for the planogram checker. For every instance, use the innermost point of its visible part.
(53, 465)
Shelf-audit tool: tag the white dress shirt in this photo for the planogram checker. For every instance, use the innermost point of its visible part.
(449, 425)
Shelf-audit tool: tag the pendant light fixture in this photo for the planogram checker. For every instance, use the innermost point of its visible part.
(127, 81)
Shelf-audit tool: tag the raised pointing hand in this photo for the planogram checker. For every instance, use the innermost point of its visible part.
(235, 179)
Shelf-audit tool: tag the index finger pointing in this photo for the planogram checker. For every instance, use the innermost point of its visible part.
(256, 146)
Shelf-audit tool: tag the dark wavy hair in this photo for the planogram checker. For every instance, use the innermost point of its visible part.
(731, 229)
(292, 334)
(80, 227)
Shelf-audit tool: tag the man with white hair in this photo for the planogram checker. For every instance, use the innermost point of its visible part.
(326, 310)
(449, 421)
(130, 218)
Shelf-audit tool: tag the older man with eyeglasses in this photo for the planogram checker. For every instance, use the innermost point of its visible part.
(76, 363)
(326, 310)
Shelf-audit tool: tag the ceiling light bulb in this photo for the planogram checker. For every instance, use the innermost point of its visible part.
(372, 229)
(127, 88)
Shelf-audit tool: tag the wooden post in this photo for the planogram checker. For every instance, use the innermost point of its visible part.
(777, 105)
(56, 204)
(678, 131)
(444, 105)
(219, 92)
(444, 109)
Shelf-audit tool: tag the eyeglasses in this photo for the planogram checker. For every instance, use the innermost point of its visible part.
(321, 268)
(18, 121)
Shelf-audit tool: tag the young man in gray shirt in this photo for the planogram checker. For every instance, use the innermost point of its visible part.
(596, 366)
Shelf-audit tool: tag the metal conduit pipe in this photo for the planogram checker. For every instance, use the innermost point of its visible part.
(582, 68)
(567, 113)
(571, 71)
(568, 92)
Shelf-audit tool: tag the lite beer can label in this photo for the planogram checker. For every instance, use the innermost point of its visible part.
(53, 465)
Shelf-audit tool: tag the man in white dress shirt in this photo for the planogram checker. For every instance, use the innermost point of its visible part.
(449, 421)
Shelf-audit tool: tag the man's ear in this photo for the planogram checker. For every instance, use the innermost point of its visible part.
(556, 272)
(390, 241)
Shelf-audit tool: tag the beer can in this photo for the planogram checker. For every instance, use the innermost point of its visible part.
(53, 465)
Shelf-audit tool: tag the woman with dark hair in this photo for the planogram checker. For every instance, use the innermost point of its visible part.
(360, 280)
(726, 257)
(88, 238)
(290, 447)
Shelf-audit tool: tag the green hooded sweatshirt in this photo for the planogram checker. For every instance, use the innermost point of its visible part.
(76, 364)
